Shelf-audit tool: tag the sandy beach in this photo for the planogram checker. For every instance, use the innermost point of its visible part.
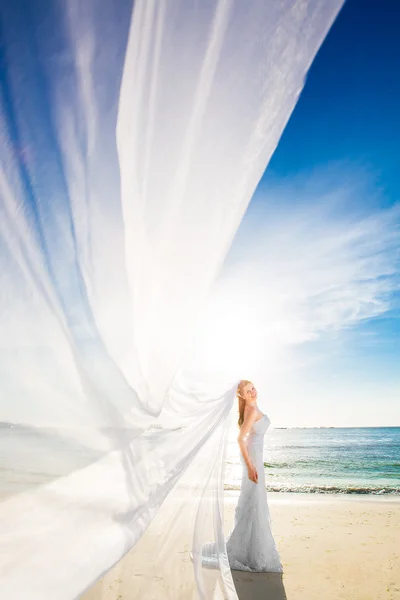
(332, 547)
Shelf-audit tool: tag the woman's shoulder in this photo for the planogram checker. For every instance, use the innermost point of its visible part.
(252, 411)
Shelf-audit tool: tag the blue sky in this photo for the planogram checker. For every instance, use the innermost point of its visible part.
(348, 110)
(335, 173)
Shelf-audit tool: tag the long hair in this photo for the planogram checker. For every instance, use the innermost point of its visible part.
(241, 400)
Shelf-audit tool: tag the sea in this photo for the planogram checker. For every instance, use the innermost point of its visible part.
(307, 461)
(357, 460)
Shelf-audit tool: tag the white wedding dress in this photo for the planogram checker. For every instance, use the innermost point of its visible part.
(250, 545)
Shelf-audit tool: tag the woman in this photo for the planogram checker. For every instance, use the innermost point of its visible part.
(250, 545)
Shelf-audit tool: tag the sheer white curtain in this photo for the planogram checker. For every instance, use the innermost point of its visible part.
(132, 138)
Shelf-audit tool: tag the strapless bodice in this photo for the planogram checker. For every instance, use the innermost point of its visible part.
(257, 432)
(260, 426)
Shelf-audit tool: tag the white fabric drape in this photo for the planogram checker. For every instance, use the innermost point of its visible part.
(132, 138)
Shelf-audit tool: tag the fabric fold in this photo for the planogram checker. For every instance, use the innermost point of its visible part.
(132, 138)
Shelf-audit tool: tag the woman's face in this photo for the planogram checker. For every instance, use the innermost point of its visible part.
(249, 392)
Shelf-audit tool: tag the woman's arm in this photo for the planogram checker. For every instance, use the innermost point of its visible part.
(250, 415)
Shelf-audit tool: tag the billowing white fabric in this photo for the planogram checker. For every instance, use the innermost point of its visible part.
(132, 139)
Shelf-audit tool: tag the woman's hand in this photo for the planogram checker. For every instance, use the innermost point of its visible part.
(253, 475)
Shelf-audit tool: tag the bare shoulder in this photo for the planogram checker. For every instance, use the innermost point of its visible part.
(253, 413)
(250, 412)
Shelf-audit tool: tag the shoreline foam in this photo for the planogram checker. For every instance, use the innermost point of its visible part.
(327, 489)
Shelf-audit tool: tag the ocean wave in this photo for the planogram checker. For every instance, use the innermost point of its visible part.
(339, 444)
(326, 489)
(353, 464)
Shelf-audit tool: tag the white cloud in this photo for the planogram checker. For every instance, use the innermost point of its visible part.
(309, 262)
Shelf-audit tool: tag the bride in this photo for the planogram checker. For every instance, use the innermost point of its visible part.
(250, 545)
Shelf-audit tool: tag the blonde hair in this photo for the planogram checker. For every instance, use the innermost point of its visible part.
(241, 400)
